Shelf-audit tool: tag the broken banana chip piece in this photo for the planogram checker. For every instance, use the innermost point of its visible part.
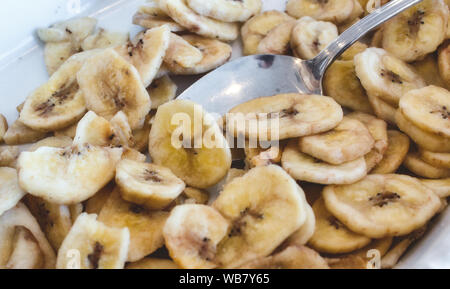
(297, 115)
(146, 184)
(10, 192)
(192, 234)
(194, 150)
(417, 31)
(181, 52)
(179, 11)
(214, 54)
(145, 227)
(337, 11)
(110, 84)
(67, 175)
(307, 168)
(12, 252)
(368, 206)
(348, 141)
(92, 245)
(263, 207)
(226, 11)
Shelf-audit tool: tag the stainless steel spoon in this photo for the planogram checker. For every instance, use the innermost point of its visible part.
(254, 76)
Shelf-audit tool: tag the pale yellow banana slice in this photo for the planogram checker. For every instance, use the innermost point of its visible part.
(94, 130)
(104, 39)
(146, 52)
(110, 84)
(10, 192)
(259, 26)
(440, 187)
(26, 253)
(382, 205)
(192, 196)
(416, 31)
(150, 21)
(69, 131)
(428, 69)
(192, 234)
(226, 11)
(306, 168)
(202, 157)
(179, 11)
(67, 175)
(18, 133)
(277, 40)
(428, 108)
(348, 141)
(441, 160)
(424, 139)
(264, 207)
(382, 109)
(95, 204)
(415, 164)
(337, 11)
(3, 126)
(92, 245)
(152, 263)
(297, 115)
(134, 155)
(342, 84)
(331, 236)
(444, 62)
(56, 53)
(215, 53)
(396, 152)
(53, 141)
(181, 52)
(146, 184)
(293, 257)
(304, 234)
(145, 227)
(74, 30)
(54, 220)
(162, 90)
(355, 49)
(59, 102)
(8, 156)
(310, 36)
(123, 135)
(10, 221)
(385, 76)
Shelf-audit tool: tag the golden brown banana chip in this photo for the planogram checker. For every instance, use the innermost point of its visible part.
(396, 152)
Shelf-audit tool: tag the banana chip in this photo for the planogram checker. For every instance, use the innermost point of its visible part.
(395, 154)
(337, 11)
(421, 168)
(10, 192)
(226, 11)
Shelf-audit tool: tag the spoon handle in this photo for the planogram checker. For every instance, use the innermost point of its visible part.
(355, 32)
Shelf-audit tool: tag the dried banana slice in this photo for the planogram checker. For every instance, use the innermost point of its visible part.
(140, 135)
(395, 154)
(337, 11)
(226, 11)
(26, 253)
(10, 221)
(263, 201)
(95, 204)
(415, 164)
(293, 257)
(53, 141)
(58, 103)
(145, 227)
(10, 192)
(342, 84)
(94, 130)
(150, 21)
(123, 135)
(162, 90)
(3, 127)
(68, 131)
(92, 245)
(56, 53)
(393, 255)
(149, 185)
(277, 40)
(54, 220)
(181, 52)
(67, 176)
(351, 52)
(74, 30)
(348, 141)
(146, 52)
(8, 156)
(368, 206)
(428, 108)
(416, 31)
(18, 134)
(385, 76)
(179, 11)
(331, 236)
(192, 196)
(110, 84)
(441, 160)
(152, 263)
(440, 187)
(304, 234)
(382, 109)
(297, 115)
(310, 36)
(306, 168)
(215, 53)
(192, 234)
(259, 26)
(428, 69)
(202, 157)
(444, 62)
(424, 139)
(104, 39)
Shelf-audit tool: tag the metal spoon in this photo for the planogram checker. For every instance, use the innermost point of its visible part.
(254, 76)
